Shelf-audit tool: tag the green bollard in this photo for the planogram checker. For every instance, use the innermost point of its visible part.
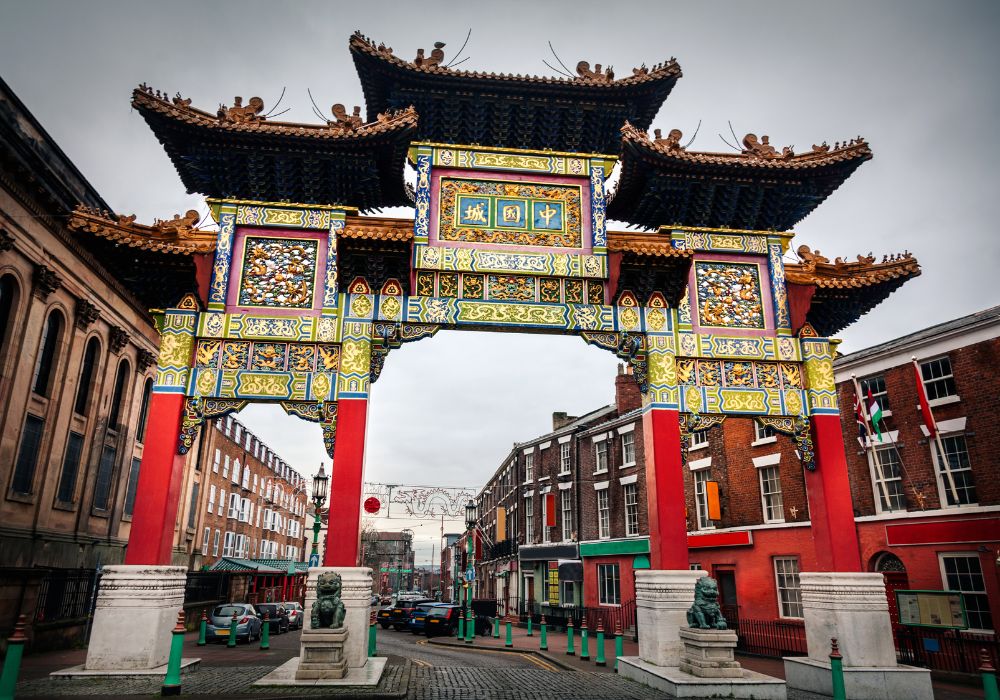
(265, 633)
(619, 645)
(529, 626)
(569, 638)
(12, 662)
(544, 637)
(203, 629)
(372, 649)
(461, 624)
(232, 632)
(584, 642)
(496, 627)
(172, 682)
(509, 642)
(990, 691)
(600, 660)
(470, 626)
(837, 670)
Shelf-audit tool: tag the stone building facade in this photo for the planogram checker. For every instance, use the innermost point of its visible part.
(77, 359)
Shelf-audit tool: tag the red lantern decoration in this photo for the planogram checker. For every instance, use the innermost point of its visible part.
(372, 505)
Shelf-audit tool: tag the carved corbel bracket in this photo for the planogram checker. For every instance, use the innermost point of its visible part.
(144, 360)
(6, 240)
(629, 347)
(86, 314)
(45, 281)
(118, 339)
(197, 410)
(797, 428)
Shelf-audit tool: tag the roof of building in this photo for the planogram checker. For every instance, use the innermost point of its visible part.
(758, 188)
(581, 113)
(964, 323)
(259, 566)
(572, 426)
(239, 153)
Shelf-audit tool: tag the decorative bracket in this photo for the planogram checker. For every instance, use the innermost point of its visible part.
(197, 410)
(629, 347)
(797, 428)
(692, 423)
(324, 413)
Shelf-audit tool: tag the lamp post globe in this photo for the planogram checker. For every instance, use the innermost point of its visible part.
(470, 514)
(321, 483)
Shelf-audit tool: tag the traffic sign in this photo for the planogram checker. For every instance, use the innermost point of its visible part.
(470, 575)
(313, 560)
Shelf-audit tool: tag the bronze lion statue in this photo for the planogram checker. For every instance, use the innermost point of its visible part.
(328, 610)
(706, 614)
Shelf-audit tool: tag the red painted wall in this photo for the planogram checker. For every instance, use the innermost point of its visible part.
(625, 571)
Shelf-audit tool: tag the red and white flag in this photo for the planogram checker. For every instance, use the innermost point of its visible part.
(925, 407)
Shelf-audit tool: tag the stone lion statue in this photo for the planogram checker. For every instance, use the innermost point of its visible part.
(705, 613)
(328, 609)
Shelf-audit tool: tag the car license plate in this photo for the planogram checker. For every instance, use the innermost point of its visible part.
(433, 622)
(398, 612)
(385, 614)
(222, 632)
(418, 619)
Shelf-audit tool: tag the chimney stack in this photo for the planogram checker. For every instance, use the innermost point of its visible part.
(627, 394)
(560, 419)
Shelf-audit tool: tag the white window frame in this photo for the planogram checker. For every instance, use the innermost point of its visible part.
(790, 603)
(236, 471)
(234, 506)
(218, 458)
(228, 544)
(984, 592)
(215, 542)
(944, 487)
(771, 501)
(222, 502)
(763, 434)
(609, 585)
(206, 540)
(628, 449)
(701, 476)
(564, 458)
(932, 398)
(882, 396)
(529, 519)
(891, 481)
(630, 497)
(546, 534)
(603, 513)
(566, 508)
(601, 456)
(246, 477)
(225, 467)
(529, 466)
(698, 440)
(211, 498)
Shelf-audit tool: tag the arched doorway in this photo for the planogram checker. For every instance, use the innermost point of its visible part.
(894, 571)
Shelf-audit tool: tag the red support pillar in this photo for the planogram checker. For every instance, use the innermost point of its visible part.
(343, 534)
(157, 494)
(831, 509)
(665, 490)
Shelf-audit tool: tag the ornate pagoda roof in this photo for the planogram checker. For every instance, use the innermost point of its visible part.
(579, 114)
(759, 188)
(238, 152)
(843, 291)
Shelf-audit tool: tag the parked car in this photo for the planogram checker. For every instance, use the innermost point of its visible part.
(277, 617)
(418, 615)
(398, 615)
(248, 624)
(296, 615)
(441, 619)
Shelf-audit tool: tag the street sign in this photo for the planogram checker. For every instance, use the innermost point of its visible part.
(313, 560)
(470, 575)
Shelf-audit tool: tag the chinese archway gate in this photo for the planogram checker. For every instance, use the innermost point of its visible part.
(298, 297)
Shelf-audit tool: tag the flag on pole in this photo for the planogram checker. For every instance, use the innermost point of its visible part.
(859, 416)
(925, 407)
(875, 414)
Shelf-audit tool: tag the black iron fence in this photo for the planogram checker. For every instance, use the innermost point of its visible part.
(953, 651)
(773, 638)
(66, 594)
(206, 587)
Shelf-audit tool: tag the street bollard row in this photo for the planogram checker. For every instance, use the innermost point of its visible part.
(990, 690)
(203, 629)
(372, 648)
(837, 671)
(265, 632)
(172, 681)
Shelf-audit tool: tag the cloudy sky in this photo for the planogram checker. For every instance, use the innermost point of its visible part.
(917, 79)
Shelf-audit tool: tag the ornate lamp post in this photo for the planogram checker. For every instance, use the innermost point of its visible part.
(470, 526)
(321, 482)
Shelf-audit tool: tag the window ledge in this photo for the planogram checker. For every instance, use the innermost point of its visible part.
(944, 400)
(774, 522)
(764, 441)
(601, 471)
(627, 465)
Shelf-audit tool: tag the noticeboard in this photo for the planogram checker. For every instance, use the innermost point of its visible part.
(940, 609)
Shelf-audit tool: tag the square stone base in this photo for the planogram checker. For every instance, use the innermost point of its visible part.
(78, 672)
(861, 682)
(675, 683)
(709, 653)
(367, 676)
(321, 655)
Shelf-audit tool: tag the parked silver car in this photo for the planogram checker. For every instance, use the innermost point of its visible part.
(248, 623)
(295, 615)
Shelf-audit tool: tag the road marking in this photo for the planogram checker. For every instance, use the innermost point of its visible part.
(533, 658)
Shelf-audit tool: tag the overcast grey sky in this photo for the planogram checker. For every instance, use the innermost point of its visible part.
(917, 79)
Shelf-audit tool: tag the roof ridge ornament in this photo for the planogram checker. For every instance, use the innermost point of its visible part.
(435, 59)
(607, 76)
(238, 114)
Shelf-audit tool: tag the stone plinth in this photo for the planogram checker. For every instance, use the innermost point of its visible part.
(852, 607)
(676, 684)
(662, 599)
(709, 653)
(136, 609)
(356, 594)
(321, 654)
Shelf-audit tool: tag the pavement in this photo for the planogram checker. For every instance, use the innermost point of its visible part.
(417, 669)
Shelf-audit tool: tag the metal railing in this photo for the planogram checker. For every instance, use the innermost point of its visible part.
(954, 651)
(772, 638)
(66, 594)
(205, 586)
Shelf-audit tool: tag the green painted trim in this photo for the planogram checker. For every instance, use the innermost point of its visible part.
(611, 547)
(641, 561)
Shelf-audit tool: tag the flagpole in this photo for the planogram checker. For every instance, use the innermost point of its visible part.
(870, 446)
(941, 456)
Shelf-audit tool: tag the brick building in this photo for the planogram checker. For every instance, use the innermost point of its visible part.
(756, 536)
(241, 500)
(77, 360)
(390, 556)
